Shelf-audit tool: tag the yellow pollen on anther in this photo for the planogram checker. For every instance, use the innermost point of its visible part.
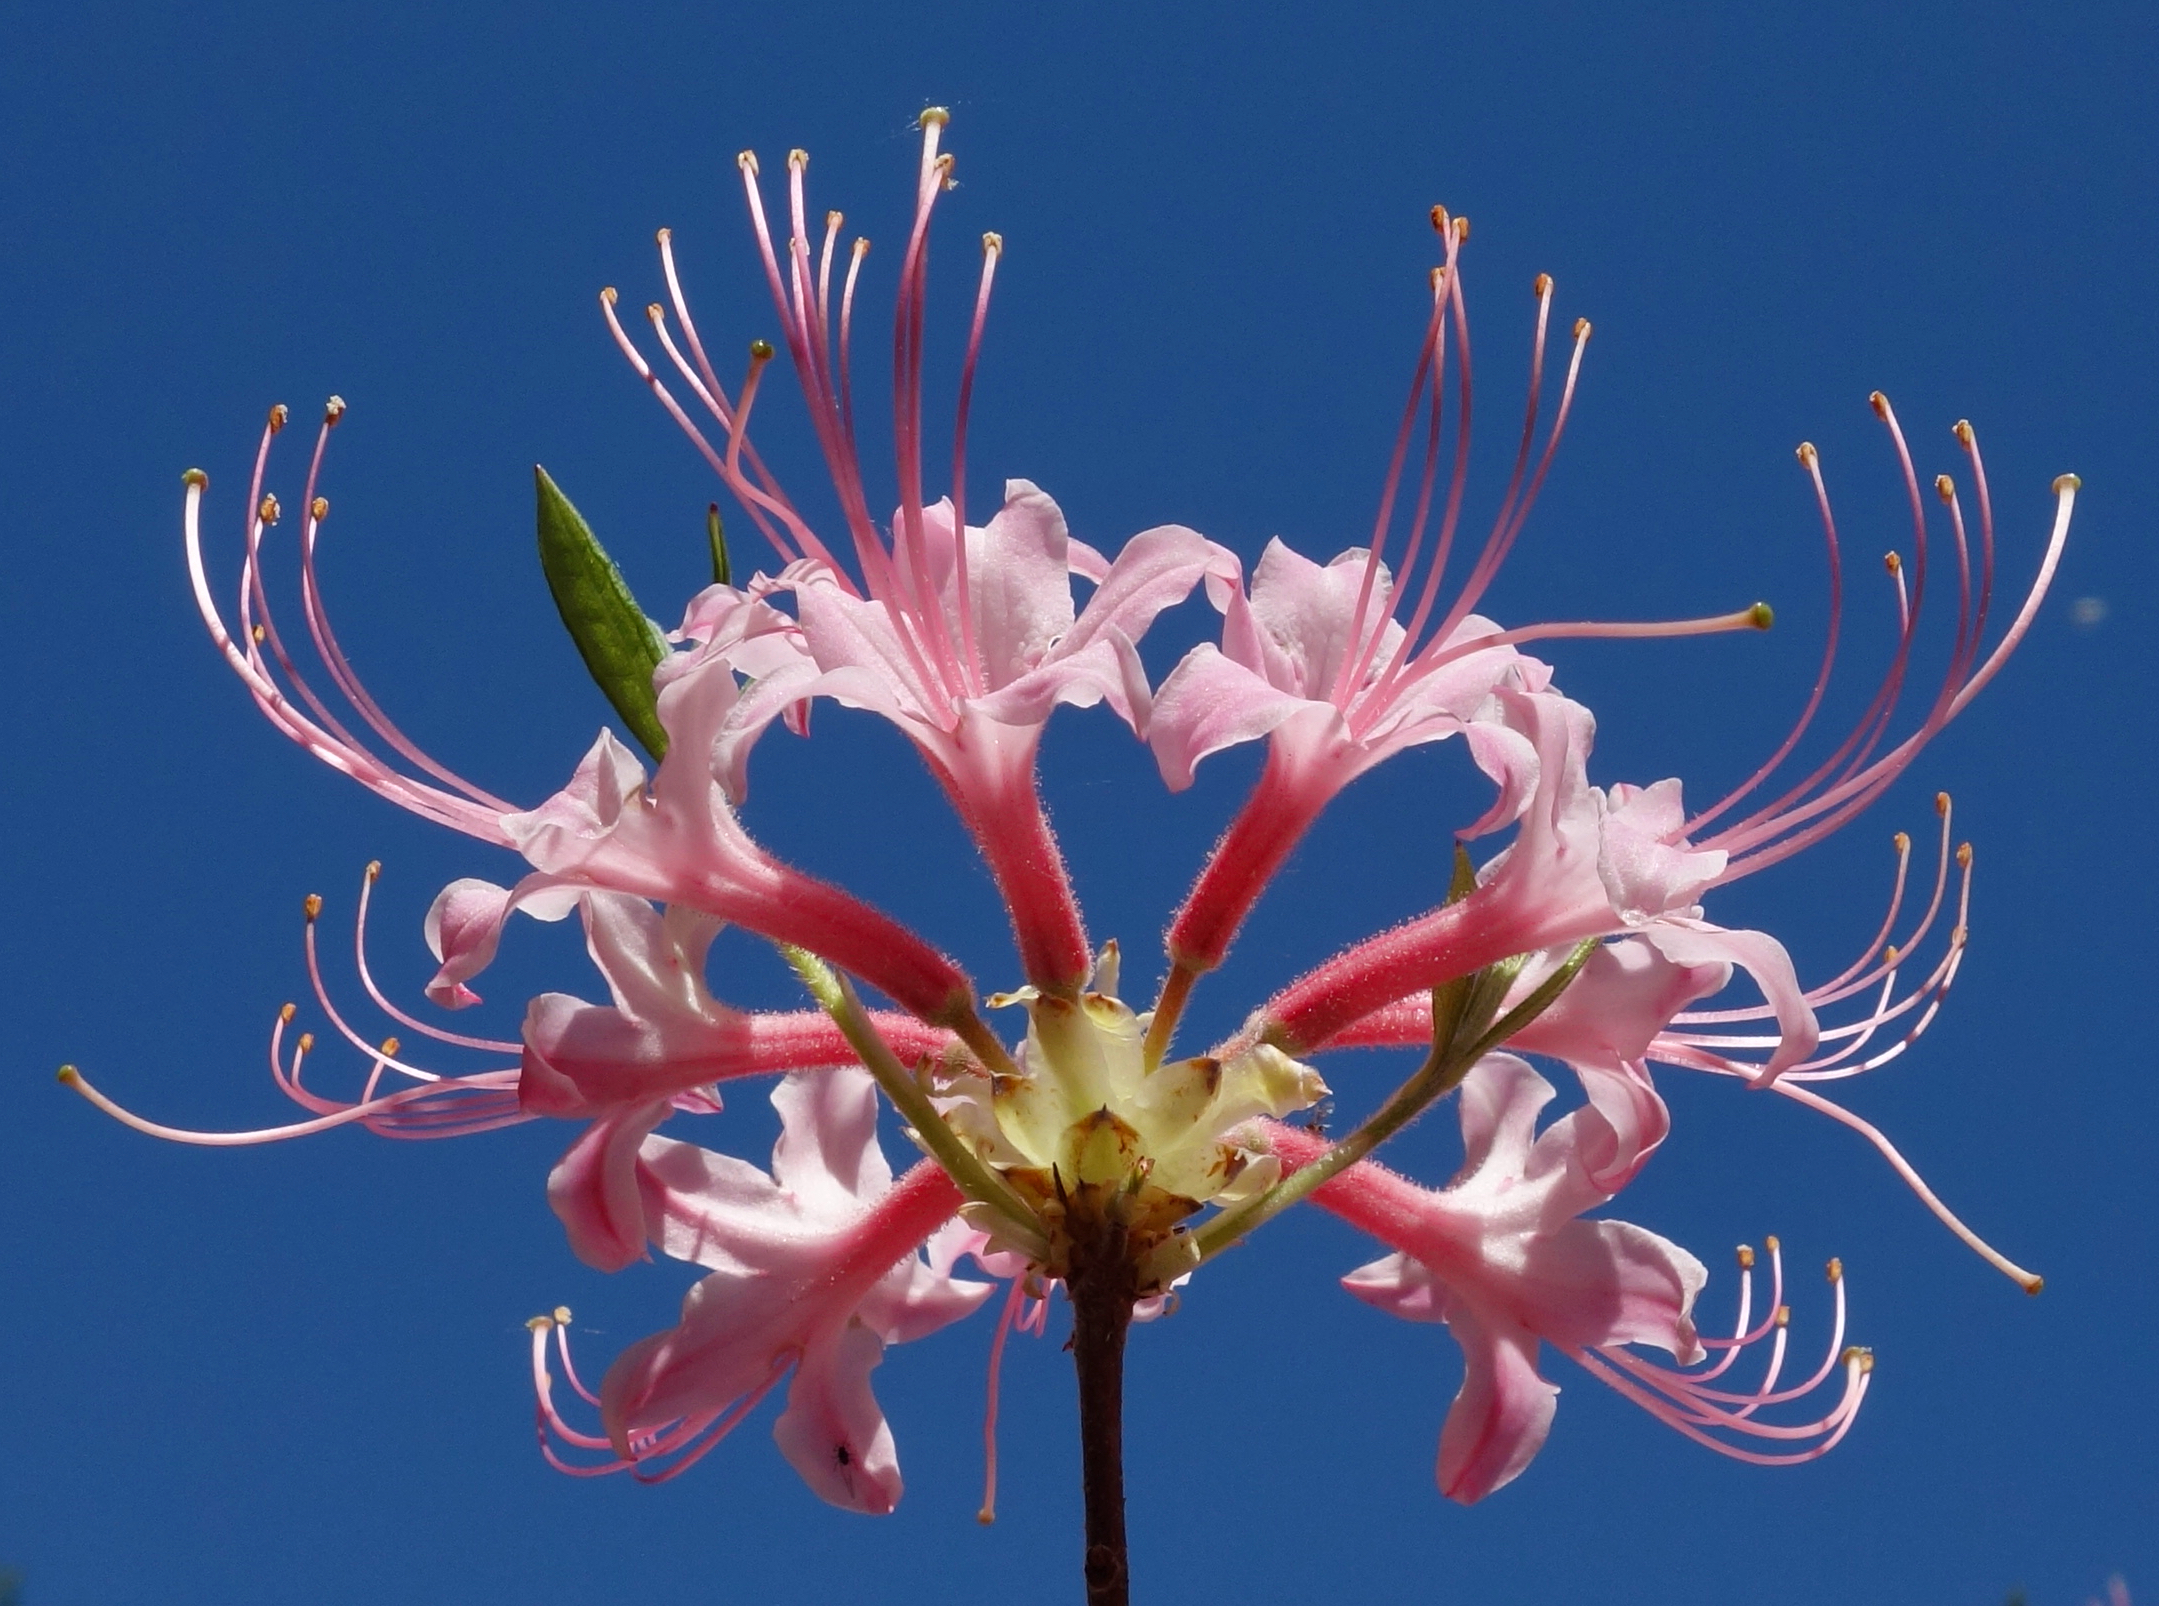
(1945, 487)
(539, 1324)
(993, 243)
(1836, 1269)
(1541, 286)
(1807, 454)
(313, 905)
(608, 294)
(1746, 1257)
(1941, 802)
(933, 114)
(1964, 855)
(1581, 330)
(1772, 1243)
(834, 219)
(267, 509)
(195, 480)
(319, 508)
(390, 1046)
(655, 312)
(562, 1315)
(1439, 218)
(1893, 563)
(307, 1042)
(1890, 954)
(662, 236)
(278, 415)
(287, 1012)
(1962, 429)
(374, 868)
(2067, 482)
(1859, 1355)
(1784, 1316)
(798, 157)
(258, 635)
(1879, 402)
(1902, 842)
(1461, 226)
(862, 245)
(333, 409)
(747, 161)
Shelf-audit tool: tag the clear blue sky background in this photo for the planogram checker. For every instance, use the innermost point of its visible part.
(296, 1374)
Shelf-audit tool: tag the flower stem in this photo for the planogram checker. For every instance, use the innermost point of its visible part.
(1102, 1283)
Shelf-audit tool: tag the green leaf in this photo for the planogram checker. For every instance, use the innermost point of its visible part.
(722, 570)
(620, 646)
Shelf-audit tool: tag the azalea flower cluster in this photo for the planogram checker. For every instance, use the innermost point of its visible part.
(1089, 1159)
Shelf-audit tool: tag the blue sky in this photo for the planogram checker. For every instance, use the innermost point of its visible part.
(295, 1373)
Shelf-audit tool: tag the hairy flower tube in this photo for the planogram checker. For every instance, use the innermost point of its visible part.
(1077, 1154)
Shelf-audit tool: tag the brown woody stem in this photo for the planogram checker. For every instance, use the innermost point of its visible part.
(1102, 1283)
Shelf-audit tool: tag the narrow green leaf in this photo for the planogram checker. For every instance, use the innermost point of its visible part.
(620, 646)
(722, 570)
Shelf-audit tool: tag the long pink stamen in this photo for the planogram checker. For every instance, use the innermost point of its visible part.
(988, 1513)
(971, 663)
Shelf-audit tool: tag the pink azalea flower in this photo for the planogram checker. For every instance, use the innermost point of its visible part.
(814, 1266)
(966, 644)
(1501, 1257)
(678, 843)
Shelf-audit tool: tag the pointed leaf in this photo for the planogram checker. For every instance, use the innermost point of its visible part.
(620, 646)
(722, 570)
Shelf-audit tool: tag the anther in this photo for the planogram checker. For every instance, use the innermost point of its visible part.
(1836, 1269)
(1964, 855)
(1860, 1354)
(747, 161)
(1439, 219)
(1772, 1243)
(1891, 954)
(1761, 616)
(258, 635)
(933, 114)
(319, 509)
(267, 509)
(1807, 454)
(1945, 487)
(1581, 330)
(278, 415)
(1902, 842)
(1541, 286)
(1746, 1257)
(1879, 402)
(287, 1012)
(390, 1046)
(662, 236)
(833, 220)
(539, 1324)
(312, 905)
(608, 295)
(333, 410)
(655, 313)
(798, 157)
(195, 480)
(307, 1042)
(562, 1315)
(993, 244)
(2067, 482)
(1962, 429)
(760, 351)
(1461, 227)
(862, 245)
(374, 869)
(69, 1075)
(1893, 563)
(1941, 803)
(1784, 1316)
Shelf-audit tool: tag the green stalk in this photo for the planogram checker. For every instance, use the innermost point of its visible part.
(837, 996)
(1461, 1007)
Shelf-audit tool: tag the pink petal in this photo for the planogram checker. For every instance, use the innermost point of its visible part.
(834, 1431)
(827, 1155)
(464, 928)
(594, 1188)
(1499, 1420)
(1761, 956)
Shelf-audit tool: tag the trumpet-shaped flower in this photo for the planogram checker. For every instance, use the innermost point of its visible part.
(813, 1266)
(1501, 1256)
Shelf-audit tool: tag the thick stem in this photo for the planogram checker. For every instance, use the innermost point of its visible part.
(1102, 1283)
